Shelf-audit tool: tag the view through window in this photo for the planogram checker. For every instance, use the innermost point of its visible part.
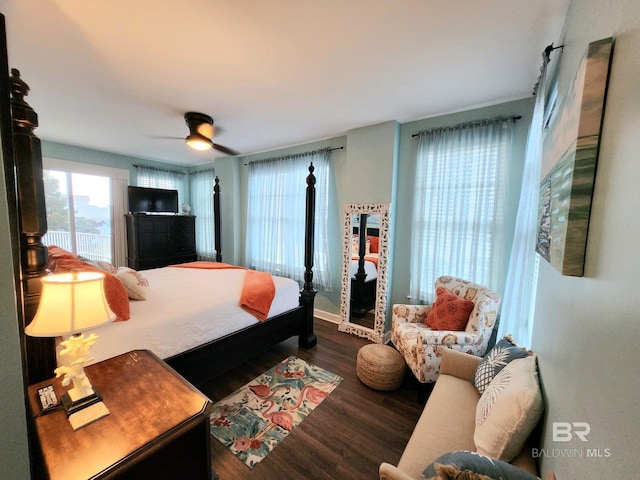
(79, 213)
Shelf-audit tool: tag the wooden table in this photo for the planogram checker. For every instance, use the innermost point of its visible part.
(158, 426)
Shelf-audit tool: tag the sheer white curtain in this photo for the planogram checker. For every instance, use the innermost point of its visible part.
(119, 206)
(276, 216)
(518, 303)
(160, 178)
(460, 194)
(201, 185)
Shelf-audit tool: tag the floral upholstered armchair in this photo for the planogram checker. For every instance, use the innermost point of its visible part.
(421, 346)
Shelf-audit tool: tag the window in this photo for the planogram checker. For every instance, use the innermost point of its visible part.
(201, 188)
(79, 213)
(159, 178)
(85, 209)
(276, 216)
(459, 206)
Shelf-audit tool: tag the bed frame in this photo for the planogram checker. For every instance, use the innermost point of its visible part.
(206, 361)
(198, 365)
(363, 293)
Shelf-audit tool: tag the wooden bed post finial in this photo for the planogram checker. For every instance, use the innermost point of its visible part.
(32, 216)
(216, 220)
(307, 338)
(309, 229)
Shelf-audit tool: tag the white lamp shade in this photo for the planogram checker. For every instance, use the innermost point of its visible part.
(70, 303)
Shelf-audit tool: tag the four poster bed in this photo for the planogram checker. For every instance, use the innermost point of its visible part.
(364, 267)
(192, 296)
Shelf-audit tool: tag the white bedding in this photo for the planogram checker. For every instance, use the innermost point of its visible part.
(177, 313)
(369, 268)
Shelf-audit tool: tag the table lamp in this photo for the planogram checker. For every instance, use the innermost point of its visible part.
(72, 303)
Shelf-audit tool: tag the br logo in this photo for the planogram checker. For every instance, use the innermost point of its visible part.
(565, 431)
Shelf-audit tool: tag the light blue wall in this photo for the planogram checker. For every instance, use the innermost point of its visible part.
(587, 329)
(228, 170)
(368, 171)
(14, 449)
(107, 159)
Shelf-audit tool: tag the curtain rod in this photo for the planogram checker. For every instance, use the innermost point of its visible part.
(159, 169)
(460, 126)
(546, 58)
(204, 170)
(551, 48)
(294, 155)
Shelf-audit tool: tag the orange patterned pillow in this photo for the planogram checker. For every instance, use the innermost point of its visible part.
(449, 312)
(374, 244)
(62, 261)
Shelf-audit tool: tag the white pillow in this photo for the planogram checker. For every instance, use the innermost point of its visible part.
(508, 410)
(355, 246)
(107, 267)
(134, 282)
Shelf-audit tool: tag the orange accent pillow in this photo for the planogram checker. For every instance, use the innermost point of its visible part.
(374, 244)
(449, 312)
(62, 261)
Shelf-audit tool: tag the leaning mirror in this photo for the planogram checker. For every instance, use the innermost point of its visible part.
(364, 270)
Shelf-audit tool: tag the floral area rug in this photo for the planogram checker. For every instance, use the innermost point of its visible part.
(254, 419)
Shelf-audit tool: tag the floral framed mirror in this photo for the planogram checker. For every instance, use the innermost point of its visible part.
(364, 270)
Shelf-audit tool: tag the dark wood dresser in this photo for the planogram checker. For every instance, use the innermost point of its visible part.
(158, 426)
(155, 241)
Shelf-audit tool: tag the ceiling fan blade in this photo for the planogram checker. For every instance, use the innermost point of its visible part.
(224, 149)
(165, 137)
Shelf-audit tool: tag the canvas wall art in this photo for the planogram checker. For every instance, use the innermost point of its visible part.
(570, 156)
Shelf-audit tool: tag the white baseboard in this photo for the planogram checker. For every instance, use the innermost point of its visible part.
(335, 318)
(329, 317)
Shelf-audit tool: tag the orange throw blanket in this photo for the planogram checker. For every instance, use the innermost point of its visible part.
(210, 265)
(258, 289)
(373, 259)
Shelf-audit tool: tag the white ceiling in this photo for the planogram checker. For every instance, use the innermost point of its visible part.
(114, 75)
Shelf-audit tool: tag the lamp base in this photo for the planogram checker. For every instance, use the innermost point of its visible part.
(88, 415)
(72, 406)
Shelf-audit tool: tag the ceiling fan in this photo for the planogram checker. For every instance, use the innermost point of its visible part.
(201, 132)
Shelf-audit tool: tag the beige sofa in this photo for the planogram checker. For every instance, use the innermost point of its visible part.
(448, 422)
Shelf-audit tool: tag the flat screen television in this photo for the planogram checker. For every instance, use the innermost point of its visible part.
(152, 200)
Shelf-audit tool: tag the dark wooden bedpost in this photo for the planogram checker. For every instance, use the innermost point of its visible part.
(32, 214)
(216, 220)
(307, 338)
(362, 239)
(358, 287)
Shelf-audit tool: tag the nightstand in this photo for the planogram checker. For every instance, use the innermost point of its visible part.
(158, 426)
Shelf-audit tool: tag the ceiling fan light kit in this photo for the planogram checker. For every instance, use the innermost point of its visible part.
(198, 142)
(201, 131)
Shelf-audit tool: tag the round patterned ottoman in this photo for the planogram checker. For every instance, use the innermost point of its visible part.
(380, 367)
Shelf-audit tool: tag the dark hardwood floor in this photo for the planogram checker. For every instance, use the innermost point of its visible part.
(347, 436)
(368, 320)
